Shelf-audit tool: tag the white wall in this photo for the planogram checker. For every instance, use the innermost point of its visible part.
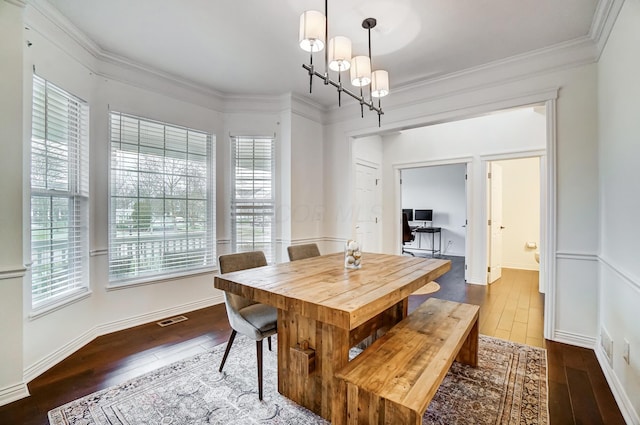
(440, 188)
(520, 212)
(619, 153)
(307, 189)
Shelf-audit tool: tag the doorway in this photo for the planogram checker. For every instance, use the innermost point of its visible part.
(513, 211)
(438, 192)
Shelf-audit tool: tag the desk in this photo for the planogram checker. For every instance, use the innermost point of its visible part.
(433, 231)
(332, 309)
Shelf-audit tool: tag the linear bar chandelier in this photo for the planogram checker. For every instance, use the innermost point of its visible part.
(314, 30)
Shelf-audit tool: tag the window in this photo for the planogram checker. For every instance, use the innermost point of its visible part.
(59, 194)
(253, 199)
(162, 200)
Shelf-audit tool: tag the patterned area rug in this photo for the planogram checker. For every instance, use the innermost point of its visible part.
(508, 387)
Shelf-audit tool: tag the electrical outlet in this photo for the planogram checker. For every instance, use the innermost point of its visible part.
(626, 351)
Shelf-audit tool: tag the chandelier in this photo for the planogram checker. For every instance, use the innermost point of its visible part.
(314, 30)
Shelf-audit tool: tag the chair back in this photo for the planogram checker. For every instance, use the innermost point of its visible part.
(241, 261)
(300, 252)
(407, 234)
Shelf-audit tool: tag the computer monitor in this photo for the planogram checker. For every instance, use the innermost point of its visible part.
(423, 215)
(409, 213)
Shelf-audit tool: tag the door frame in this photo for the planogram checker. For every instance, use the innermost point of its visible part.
(398, 168)
(491, 226)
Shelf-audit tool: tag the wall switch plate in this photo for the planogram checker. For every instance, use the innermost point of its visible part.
(626, 350)
(607, 345)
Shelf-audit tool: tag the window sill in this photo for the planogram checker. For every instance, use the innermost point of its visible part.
(49, 307)
(151, 280)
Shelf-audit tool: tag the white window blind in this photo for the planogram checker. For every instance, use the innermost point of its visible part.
(162, 200)
(253, 198)
(59, 193)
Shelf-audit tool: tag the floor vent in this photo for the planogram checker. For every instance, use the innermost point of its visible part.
(172, 320)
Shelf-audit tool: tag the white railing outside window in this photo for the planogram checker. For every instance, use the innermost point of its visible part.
(253, 197)
(162, 200)
(59, 194)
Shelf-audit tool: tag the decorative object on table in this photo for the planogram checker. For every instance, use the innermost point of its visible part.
(352, 255)
(427, 289)
(509, 386)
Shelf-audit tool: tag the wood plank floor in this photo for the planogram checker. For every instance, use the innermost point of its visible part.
(578, 392)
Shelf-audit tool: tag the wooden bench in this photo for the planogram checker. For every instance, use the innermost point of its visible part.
(394, 380)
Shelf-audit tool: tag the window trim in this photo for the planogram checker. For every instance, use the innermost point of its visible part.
(164, 275)
(77, 193)
(273, 200)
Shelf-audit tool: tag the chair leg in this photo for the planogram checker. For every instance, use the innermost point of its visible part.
(259, 353)
(269, 343)
(226, 351)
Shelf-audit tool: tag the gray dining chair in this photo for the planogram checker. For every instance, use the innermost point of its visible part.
(300, 252)
(247, 317)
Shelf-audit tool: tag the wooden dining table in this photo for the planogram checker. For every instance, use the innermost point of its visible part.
(324, 310)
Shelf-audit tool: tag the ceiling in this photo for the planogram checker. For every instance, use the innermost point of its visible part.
(251, 46)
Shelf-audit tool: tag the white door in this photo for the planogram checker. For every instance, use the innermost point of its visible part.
(368, 207)
(495, 226)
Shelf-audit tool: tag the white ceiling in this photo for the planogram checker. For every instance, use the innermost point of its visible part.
(251, 46)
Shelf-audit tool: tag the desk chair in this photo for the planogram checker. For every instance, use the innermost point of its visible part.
(300, 252)
(407, 234)
(255, 320)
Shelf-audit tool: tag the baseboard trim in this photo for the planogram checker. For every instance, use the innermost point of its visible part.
(52, 359)
(13, 393)
(521, 266)
(575, 339)
(622, 399)
(65, 351)
(154, 316)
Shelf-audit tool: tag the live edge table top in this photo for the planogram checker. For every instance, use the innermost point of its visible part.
(320, 288)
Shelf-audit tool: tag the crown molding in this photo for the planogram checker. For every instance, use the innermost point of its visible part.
(603, 20)
(19, 3)
(55, 17)
(564, 55)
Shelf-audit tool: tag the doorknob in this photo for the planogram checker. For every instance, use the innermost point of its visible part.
(501, 227)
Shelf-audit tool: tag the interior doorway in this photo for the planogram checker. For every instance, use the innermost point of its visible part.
(513, 211)
(435, 199)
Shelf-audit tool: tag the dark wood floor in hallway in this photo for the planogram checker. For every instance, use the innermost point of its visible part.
(578, 392)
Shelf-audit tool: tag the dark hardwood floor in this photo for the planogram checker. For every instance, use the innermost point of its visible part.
(578, 392)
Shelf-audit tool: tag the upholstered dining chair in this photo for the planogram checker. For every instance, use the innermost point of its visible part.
(252, 319)
(300, 252)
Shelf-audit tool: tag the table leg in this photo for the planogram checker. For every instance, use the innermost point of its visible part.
(316, 390)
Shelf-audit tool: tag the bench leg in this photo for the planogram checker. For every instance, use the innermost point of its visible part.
(469, 352)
